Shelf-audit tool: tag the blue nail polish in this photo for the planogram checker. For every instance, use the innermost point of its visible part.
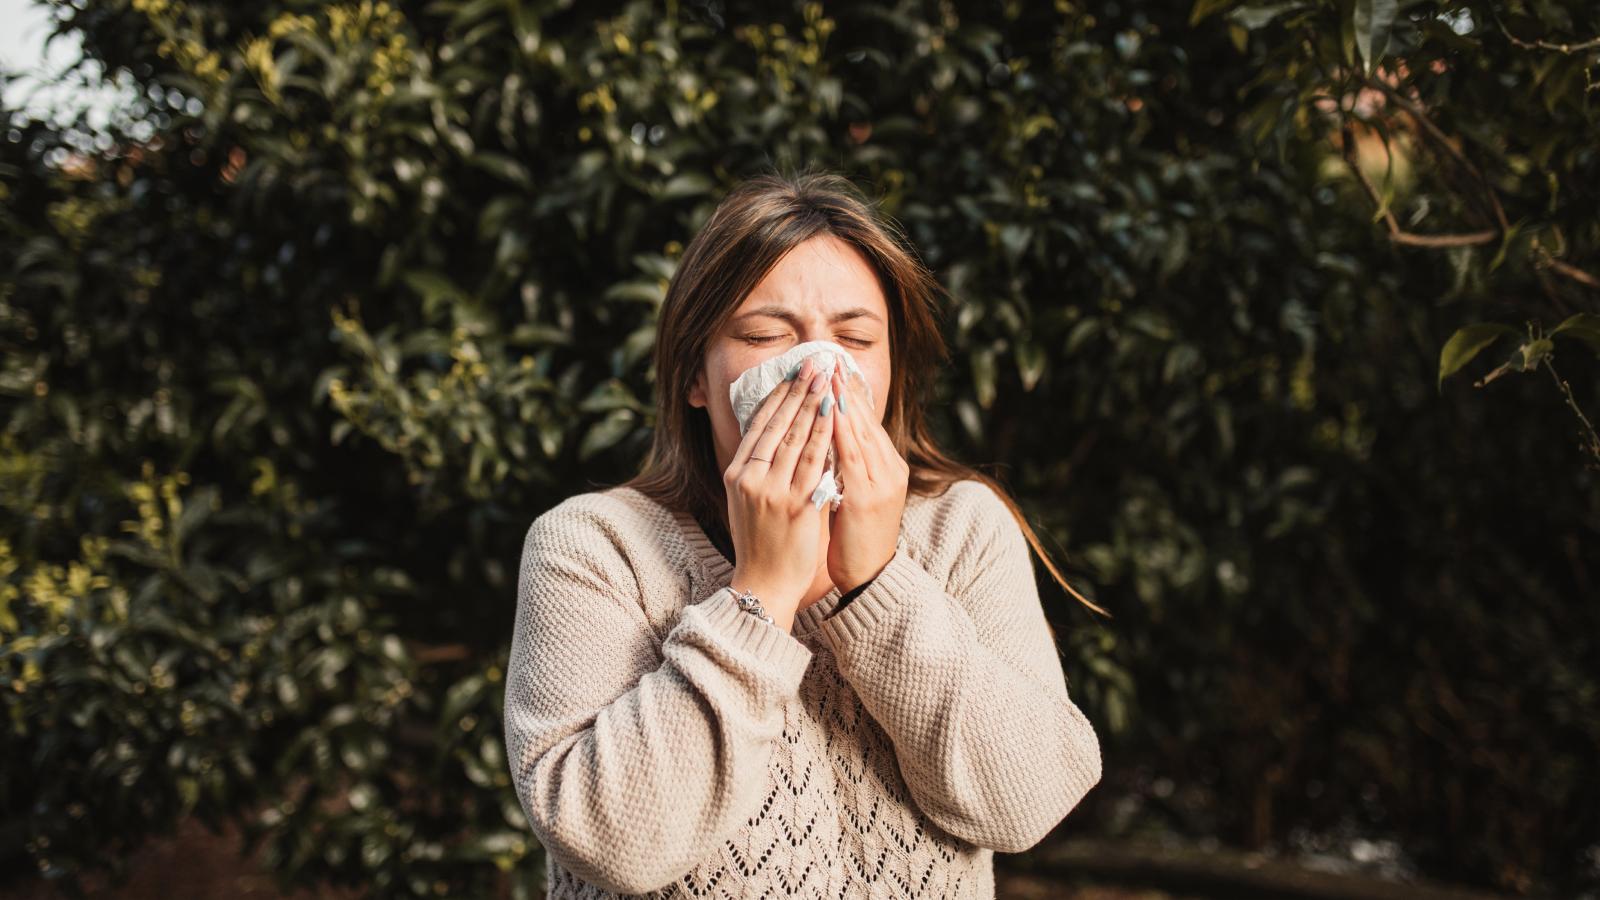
(793, 372)
(827, 404)
(841, 406)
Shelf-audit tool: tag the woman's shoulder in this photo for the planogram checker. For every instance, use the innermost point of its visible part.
(618, 517)
(968, 500)
(967, 513)
(616, 540)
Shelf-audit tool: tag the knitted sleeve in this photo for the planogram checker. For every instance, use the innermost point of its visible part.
(844, 600)
(966, 681)
(632, 755)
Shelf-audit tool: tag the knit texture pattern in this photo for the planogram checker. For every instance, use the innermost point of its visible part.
(666, 744)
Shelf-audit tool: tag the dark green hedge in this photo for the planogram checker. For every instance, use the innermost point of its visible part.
(362, 288)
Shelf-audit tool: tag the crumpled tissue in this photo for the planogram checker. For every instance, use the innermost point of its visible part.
(755, 383)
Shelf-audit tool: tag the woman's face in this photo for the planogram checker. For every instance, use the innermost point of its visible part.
(822, 290)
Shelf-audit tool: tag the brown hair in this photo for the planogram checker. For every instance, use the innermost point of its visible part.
(758, 222)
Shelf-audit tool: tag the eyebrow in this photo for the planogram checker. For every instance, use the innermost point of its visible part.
(782, 312)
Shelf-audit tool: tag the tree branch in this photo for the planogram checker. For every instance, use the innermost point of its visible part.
(1396, 233)
(1591, 442)
(1427, 126)
(1546, 45)
(1572, 271)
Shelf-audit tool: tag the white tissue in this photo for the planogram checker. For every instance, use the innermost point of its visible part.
(755, 383)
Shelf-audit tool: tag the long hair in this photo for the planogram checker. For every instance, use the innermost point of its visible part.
(760, 220)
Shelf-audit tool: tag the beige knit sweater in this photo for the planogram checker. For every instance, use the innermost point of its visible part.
(664, 742)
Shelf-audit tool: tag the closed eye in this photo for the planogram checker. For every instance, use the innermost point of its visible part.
(769, 338)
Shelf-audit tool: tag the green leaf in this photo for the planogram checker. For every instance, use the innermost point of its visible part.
(1534, 352)
(1240, 37)
(498, 213)
(1081, 333)
(468, 13)
(655, 265)
(1467, 343)
(1205, 8)
(1372, 20)
(1347, 40)
(1030, 364)
(459, 699)
(983, 375)
(688, 184)
(551, 435)
(638, 344)
(971, 420)
(1251, 18)
(609, 395)
(1505, 244)
(1014, 240)
(1583, 326)
(534, 333)
(606, 432)
(433, 286)
(503, 167)
(642, 291)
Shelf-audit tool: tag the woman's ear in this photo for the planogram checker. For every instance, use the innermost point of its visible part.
(697, 390)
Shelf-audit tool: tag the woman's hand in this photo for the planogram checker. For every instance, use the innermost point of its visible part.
(776, 530)
(863, 533)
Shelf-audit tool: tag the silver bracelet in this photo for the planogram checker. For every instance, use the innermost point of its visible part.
(748, 602)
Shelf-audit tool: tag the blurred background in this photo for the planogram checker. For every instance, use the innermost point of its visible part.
(1280, 319)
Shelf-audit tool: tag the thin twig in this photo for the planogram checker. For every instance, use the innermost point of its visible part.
(1348, 150)
(1434, 131)
(1551, 292)
(1593, 440)
(1546, 45)
(1469, 239)
(1396, 233)
(1573, 272)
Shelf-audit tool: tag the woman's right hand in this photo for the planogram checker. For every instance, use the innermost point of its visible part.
(775, 528)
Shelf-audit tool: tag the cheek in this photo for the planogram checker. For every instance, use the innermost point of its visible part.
(877, 375)
(719, 379)
(719, 372)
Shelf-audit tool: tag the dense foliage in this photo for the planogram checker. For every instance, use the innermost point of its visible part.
(357, 289)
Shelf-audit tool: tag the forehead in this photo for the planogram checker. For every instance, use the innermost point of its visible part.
(822, 273)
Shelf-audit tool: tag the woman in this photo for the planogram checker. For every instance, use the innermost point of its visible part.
(890, 709)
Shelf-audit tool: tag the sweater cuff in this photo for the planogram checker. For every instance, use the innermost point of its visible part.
(902, 581)
(850, 595)
(769, 645)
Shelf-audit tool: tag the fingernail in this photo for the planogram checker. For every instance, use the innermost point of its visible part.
(827, 404)
(842, 410)
(793, 372)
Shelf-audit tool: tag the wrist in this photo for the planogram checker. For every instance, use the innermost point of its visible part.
(775, 601)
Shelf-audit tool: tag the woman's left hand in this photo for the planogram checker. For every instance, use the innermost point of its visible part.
(864, 531)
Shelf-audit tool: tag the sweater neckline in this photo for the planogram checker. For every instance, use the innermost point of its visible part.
(717, 567)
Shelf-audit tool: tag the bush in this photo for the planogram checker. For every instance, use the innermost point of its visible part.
(361, 288)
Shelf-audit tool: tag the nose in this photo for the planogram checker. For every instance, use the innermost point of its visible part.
(815, 331)
(812, 325)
